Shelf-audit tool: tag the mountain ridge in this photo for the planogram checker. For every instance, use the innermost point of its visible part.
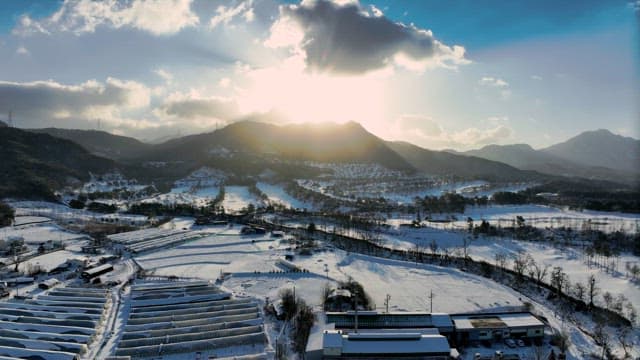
(34, 164)
(346, 142)
(599, 148)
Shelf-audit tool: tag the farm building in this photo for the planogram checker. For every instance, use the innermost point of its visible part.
(400, 344)
(96, 271)
(48, 284)
(392, 320)
(497, 326)
(253, 230)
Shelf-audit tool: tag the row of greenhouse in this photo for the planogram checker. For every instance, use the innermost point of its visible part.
(59, 324)
(183, 317)
(152, 239)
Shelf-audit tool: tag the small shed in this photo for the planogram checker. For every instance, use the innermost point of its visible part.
(48, 284)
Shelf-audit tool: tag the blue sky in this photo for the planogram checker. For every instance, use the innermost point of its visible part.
(441, 74)
(11, 10)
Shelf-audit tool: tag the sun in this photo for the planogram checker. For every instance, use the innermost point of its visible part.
(314, 98)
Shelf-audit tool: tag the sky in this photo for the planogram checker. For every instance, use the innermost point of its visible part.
(440, 74)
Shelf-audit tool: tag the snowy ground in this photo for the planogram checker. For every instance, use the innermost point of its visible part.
(535, 215)
(237, 198)
(277, 194)
(198, 196)
(253, 260)
(572, 260)
(64, 213)
(39, 233)
(253, 264)
(466, 188)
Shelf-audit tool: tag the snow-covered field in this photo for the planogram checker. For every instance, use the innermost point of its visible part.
(60, 212)
(252, 261)
(39, 233)
(465, 188)
(535, 215)
(277, 194)
(49, 261)
(198, 196)
(572, 260)
(237, 198)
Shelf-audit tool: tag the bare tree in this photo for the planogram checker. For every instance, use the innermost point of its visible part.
(501, 260)
(433, 246)
(520, 263)
(608, 299)
(17, 259)
(538, 271)
(558, 278)
(618, 304)
(601, 337)
(624, 338)
(632, 315)
(579, 291)
(466, 241)
(635, 272)
(592, 288)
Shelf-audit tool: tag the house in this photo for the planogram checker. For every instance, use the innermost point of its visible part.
(496, 326)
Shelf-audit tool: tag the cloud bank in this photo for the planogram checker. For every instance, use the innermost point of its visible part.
(346, 38)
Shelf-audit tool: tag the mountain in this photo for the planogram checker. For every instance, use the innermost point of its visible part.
(3, 124)
(101, 143)
(547, 161)
(445, 163)
(33, 164)
(338, 143)
(600, 148)
(521, 156)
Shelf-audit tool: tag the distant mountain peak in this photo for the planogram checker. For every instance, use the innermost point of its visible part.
(600, 148)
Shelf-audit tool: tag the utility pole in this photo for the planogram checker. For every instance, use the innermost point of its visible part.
(431, 300)
(355, 293)
(386, 303)
(10, 118)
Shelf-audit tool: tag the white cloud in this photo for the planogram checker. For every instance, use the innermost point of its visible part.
(536, 77)
(493, 82)
(22, 51)
(224, 82)
(225, 14)
(476, 137)
(159, 17)
(46, 103)
(376, 12)
(164, 74)
(197, 109)
(496, 83)
(425, 131)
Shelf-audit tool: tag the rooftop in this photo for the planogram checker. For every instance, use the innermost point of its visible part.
(386, 343)
(493, 321)
(379, 320)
